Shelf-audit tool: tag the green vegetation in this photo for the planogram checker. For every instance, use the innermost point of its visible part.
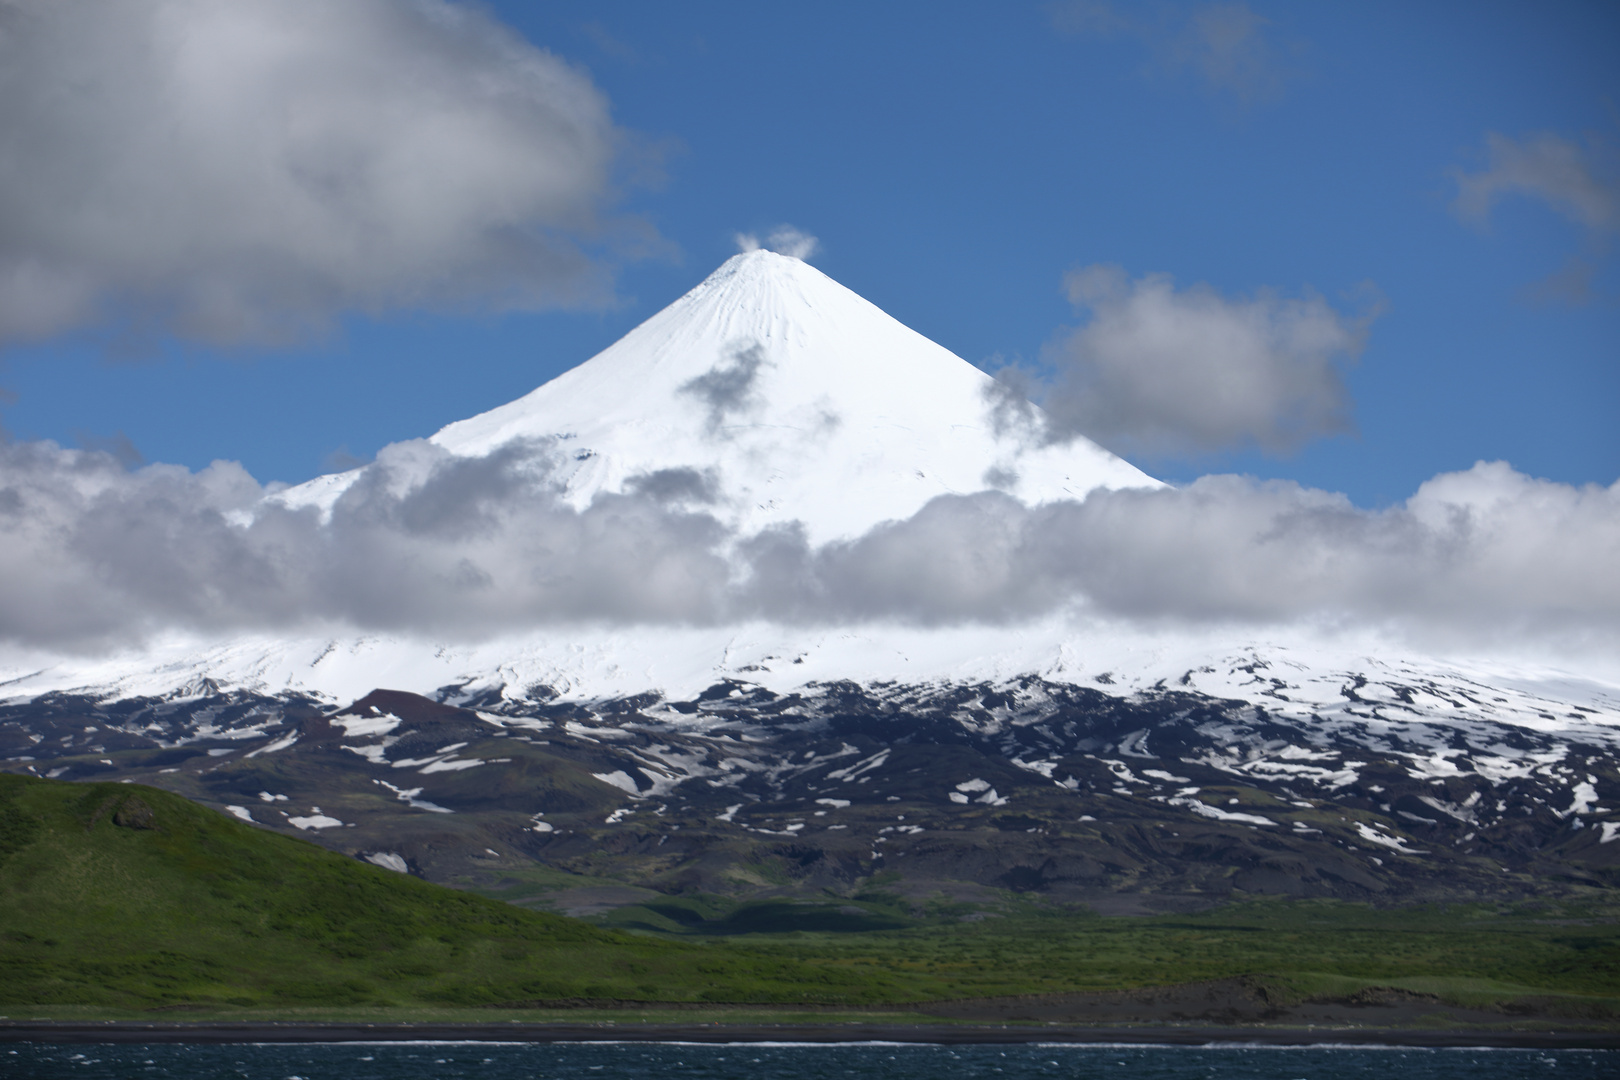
(1474, 954)
(116, 899)
(1300, 948)
(124, 896)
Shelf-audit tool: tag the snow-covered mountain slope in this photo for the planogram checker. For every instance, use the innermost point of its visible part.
(1308, 677)
(776, 395)
(771, 394)
(1065, 753)
(782, 396)
(1399, 786)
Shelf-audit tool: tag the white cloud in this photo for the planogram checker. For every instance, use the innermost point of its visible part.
(1164, 371)
(92, 553)
(1226, 44)
(1097, 18)
(784, 240)
(1483, 556)
(1581, 184)
(244, 172)
(1467, 549)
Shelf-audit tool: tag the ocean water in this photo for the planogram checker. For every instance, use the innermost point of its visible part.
(783, 1061)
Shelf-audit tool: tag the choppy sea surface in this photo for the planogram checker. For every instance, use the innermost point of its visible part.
(783, 1061)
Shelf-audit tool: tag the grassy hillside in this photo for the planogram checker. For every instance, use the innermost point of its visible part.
(1467, 953)
(121, 897)
(130, 897)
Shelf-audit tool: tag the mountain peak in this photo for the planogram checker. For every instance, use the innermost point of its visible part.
(783, 396)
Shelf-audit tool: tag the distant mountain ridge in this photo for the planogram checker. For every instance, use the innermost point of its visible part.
(1160, 800)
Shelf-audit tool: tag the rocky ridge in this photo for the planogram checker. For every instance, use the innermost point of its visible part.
(1161, 798)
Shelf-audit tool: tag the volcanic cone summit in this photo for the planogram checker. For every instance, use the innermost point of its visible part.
(770, 393)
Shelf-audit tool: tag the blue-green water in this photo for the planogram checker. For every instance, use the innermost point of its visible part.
(596, 1061)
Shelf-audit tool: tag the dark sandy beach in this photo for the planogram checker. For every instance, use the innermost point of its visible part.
(1215, 1011)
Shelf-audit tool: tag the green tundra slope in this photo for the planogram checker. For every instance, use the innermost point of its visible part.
(130, 897)
(122, 898)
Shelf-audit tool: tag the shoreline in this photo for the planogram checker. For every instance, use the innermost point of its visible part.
(943, 1034)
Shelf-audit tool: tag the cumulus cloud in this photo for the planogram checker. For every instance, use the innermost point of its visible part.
(91, 552)
(1228, 46)
(244, 172)
(94, 553)
(1166, 371)
(686, 484)
(1486, 544)
(727, 390)
(1472, 554)
(784, 240)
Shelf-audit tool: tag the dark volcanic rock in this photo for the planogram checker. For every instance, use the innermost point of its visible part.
(959, 791)
(134, 814)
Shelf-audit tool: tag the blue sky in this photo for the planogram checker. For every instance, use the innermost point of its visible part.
(956, 161)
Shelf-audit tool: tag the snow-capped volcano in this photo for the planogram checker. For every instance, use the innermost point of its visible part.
(770, 393)
(1046, 747)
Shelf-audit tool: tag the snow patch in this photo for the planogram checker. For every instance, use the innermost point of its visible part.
(1169, 778)
(451, 765)
(409, 796)
(1203, 809)
(1585, 798)
(621, 780)
(855, 770)
(360, 727)
(373, 754)
(280, 744)
(1394, 843)
(315, 820)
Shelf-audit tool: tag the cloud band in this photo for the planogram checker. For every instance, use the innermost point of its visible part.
(92, 553)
